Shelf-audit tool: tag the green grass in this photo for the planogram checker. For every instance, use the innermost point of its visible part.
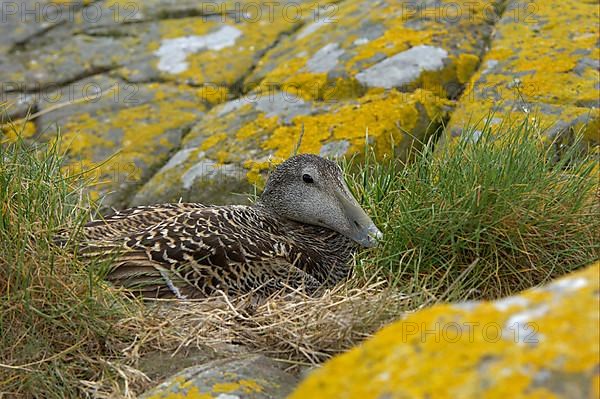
(482, 220)
(58, 320)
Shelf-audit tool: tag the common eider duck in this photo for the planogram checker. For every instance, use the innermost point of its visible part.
(300, 234)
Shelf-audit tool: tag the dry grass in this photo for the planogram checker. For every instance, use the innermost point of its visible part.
(298, 330)
(294, 329)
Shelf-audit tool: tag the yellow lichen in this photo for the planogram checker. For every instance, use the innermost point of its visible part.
(250, 386)
(449, 351)
(19, 128)
(217, 69)
(537, 68)
(395, 39)
(225, 387)
(212, 140)
(391, 119)
(465, 67)
(243, 386)
(139, 132)
(192, 393)
(254, 175)
(403, 27)
(385, 117)
(257, 127)
(213, 94)
(301, 84)
(180, 387)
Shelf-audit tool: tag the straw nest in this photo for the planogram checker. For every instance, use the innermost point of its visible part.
(295, 329)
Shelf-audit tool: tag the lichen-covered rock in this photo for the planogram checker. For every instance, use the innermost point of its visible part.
(236, 141)
(364, 45)
(333, 69)
(251, 377)
(16, 105)
(149, 70)
(543, 343)
(120, 132)
(214, 45)
(21, 20)
(161, 365)
(543, 62)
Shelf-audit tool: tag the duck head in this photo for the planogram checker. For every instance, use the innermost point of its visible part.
(311, 189)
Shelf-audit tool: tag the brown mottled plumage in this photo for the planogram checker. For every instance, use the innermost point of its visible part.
(300, 234)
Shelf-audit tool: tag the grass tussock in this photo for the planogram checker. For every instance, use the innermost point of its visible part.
(62, 330)
(484, 218)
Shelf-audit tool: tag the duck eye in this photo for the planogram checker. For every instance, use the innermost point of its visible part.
(307, 178)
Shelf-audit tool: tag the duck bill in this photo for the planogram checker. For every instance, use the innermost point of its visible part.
(362, 229)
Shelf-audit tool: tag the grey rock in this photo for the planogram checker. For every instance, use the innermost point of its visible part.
(283, 105)
(403, 68)
(173, 52)
(192, 174)
(335, 149)
(160, 365)
(16, 105)
(24, 20)
(311, 28)
(138, 41)
(210, 170)
(586, 63)
(325, 59)
(344, 48)
(230, 148)
(250, 377)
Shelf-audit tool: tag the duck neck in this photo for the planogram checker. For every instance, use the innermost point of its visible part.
(328, 254)
(323, 253)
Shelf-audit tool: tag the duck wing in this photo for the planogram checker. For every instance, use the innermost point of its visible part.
(123, 223)
(196, 252)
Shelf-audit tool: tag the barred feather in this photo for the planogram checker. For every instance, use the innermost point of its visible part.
(192, 250)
